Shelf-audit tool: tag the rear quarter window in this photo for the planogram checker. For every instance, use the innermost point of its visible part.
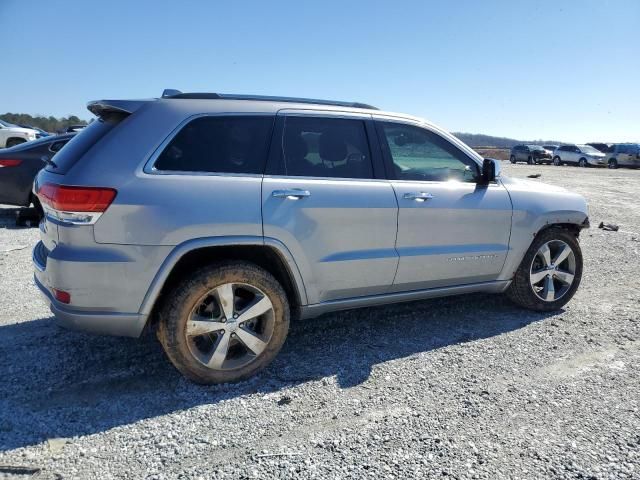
(219, 144)
(75, 149)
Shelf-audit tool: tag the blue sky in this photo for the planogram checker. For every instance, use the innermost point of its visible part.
(566, 70)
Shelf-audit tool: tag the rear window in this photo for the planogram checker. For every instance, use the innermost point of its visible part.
(219, 144)
(82, 142)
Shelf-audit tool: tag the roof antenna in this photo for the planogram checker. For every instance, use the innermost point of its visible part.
(170, 92)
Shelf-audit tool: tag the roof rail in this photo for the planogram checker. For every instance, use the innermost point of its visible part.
(171, 93)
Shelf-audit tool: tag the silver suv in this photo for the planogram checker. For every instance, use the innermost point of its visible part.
(215, 218)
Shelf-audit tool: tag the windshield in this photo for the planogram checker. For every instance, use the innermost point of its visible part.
(588, 149)
(535, 147)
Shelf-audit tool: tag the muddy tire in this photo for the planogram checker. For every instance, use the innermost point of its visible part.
(224, 323)
(549, 273)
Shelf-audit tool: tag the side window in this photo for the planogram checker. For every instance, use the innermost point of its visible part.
(325, 147)
(419, 154)
(219, 144)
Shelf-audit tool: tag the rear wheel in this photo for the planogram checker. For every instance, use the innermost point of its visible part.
(512, 159)
(613, 163)
(583, 163)
(556, 161)
(550, 272)
(12, 142)
(38, 207)
(225, 323)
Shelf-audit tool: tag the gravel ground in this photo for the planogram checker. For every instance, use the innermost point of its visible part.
(466, 387)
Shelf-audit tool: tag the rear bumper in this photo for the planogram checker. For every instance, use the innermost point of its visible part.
(85, 319)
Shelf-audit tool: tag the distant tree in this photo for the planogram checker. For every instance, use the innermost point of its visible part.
(479, 140)
(48, 124)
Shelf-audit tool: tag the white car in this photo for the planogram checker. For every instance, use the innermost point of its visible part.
(12, 135)
(583, 155)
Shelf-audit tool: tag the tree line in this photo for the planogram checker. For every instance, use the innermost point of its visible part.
(48, 124)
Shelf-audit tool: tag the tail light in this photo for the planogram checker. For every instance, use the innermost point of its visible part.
(9, 162)
(77, 205)
(61, 295)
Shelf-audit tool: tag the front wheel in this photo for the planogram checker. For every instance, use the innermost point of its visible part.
(583, 163)
(224, 323)
(550, 272)
(512, 159)
(556, 161)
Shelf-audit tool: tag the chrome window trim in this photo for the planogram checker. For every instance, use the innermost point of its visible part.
(149, 166)
(339, 179)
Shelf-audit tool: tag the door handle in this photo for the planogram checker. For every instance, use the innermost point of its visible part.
(418, 196)
(292, 194)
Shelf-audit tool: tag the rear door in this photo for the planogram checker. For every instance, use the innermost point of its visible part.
(451, 230)
(627, 155)
(324, 197)
(519, 154)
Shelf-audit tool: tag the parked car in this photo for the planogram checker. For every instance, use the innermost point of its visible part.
(74, 128)
(20, 164)
(582, 155)
(39, 132)
(11, 135)
(601, 147)
(624, 155)
(251, 209)
(530, 153)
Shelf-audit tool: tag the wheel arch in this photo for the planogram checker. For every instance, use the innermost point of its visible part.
(266, 253)
(572, 221)
(19, 139)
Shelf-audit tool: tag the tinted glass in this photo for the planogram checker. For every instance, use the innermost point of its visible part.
(325, 147)
(83, 141)
(219, 144)
(630, 149)
(419, 154)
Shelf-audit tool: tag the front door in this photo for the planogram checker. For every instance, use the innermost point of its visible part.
(322, 200)
(451, 230)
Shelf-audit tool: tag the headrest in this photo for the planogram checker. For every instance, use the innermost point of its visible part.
(332, 147)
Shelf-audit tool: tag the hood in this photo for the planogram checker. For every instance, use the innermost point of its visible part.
(26, 131)
(520, 184)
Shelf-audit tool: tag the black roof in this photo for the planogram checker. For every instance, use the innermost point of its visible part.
(171, 93)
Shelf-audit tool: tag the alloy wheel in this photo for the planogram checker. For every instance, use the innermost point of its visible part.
(552, 270)
(230, 326)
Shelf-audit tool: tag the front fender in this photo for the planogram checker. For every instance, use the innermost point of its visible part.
(535, 207)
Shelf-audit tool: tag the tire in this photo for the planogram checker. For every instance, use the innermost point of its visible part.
(189, 349)
(583, 163)
(524, 292)
(12, 142)
(613, 163)
(556, 161)
(512, 159)
(38, 207)
(530, 161)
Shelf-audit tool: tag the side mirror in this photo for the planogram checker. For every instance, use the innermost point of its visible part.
(490, 170)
